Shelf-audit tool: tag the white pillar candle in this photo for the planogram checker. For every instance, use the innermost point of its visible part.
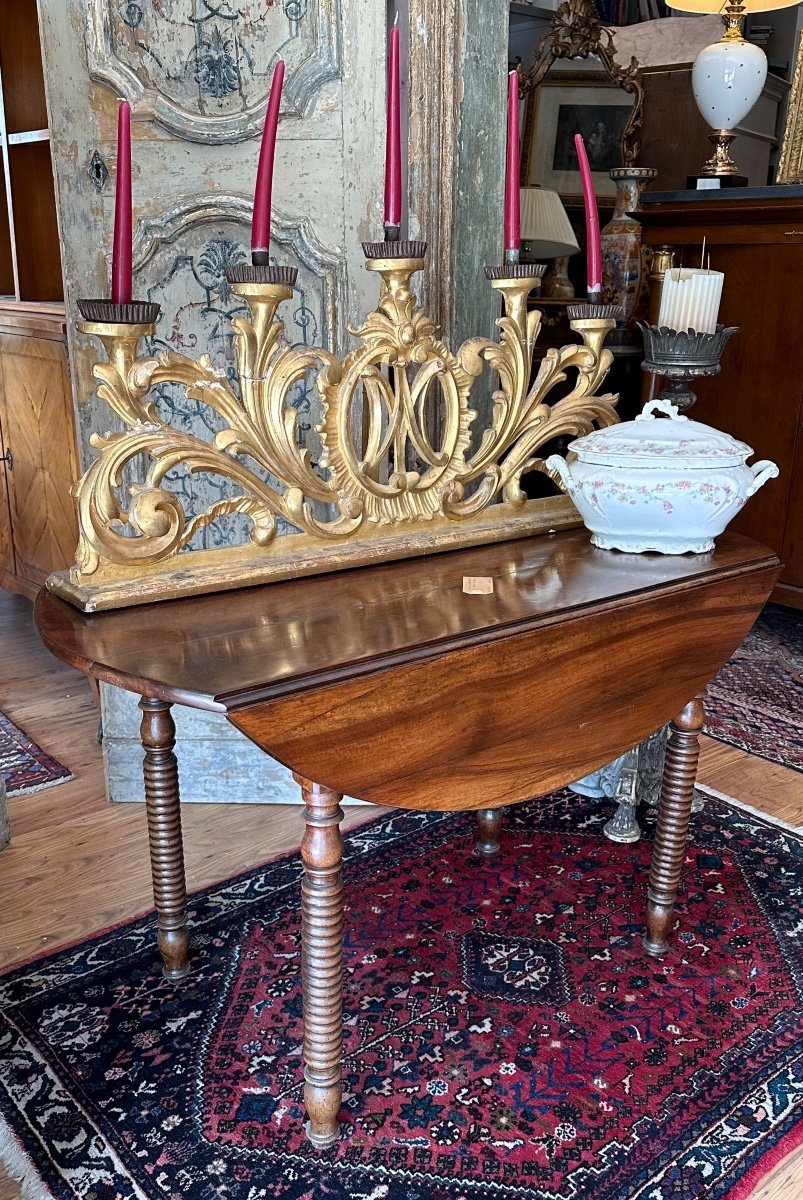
(690, 299)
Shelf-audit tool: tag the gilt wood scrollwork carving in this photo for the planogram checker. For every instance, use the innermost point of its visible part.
(411, 484)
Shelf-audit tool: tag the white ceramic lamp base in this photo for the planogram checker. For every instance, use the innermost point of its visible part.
(727, 80)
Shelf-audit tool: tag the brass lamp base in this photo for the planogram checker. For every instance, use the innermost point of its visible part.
(556, 284)
(720, 163)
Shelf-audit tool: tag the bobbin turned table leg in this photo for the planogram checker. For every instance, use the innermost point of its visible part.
(674, 808)
(489, 826)
(158, 733)
(322, 960)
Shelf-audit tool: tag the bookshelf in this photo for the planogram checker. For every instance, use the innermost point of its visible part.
(30, 263)
(38, 454)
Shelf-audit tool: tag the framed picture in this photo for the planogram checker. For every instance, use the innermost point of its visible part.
(561, 106)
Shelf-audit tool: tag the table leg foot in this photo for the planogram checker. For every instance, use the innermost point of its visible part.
(674, 809)
(162, 802)
(322, 960)
(489, 826)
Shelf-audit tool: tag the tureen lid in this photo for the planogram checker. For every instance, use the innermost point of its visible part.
(648, 440)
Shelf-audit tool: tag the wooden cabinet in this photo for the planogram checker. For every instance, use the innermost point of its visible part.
(37, 440)
(758, 396)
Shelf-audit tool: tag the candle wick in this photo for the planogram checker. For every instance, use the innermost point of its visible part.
(702, 255)
(396, 20)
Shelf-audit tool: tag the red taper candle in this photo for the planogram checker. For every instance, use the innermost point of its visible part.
(512, 204)
(393, 163)
(593, 244)
(260, 223)
(121, 249)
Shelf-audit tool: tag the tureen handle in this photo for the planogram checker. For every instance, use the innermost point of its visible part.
(664, 406)
(762, 471)
(557, 465)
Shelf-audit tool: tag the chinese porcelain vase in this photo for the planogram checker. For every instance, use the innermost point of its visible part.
(623, 271)
(654, 484)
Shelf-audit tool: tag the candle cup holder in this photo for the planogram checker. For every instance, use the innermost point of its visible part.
(260, 273)
(106, 312)
(596, 310)
(395, 249)
(682, 356)
(517, 270)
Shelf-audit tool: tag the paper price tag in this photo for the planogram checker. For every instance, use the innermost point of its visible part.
(478, 585)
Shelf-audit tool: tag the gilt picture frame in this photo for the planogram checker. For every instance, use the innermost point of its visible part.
(790, 162)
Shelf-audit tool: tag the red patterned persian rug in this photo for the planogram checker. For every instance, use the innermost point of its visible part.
(756, 700)
(25, 765)
(505, 1035)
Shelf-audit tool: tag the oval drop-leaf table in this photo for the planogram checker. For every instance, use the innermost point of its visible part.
(391, 684)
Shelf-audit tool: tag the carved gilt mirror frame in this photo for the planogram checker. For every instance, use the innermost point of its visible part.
(576, 32)
(790, 163)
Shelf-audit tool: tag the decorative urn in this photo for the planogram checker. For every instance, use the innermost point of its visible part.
(623, 275)
(655, 484)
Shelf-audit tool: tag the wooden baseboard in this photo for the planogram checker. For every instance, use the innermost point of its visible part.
(788, 594)
(10, 582)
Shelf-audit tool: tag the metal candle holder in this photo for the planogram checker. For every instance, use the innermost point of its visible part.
(681, 357)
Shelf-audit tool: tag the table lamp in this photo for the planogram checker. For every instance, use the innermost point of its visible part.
(728, 76)
(547, 234)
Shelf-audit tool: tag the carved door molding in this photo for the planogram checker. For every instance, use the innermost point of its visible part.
(202, 70)
(458, 82)
(300, 247)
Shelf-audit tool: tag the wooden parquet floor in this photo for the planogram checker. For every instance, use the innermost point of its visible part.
(77, 863)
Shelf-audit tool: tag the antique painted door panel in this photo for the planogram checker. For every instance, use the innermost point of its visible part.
(197, 75)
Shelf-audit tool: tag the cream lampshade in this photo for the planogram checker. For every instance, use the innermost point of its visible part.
(545, 224)
(547, 233)
(727, 77)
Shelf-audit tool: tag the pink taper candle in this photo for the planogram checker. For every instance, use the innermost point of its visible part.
(260, 224)
(393, 165)
(121, 249)
(512, 205)
(593, 245)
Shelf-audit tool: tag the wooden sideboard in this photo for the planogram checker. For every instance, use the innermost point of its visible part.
(758, 396)
(38, 532)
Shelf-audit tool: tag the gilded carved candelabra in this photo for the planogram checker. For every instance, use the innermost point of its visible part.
(408, 483)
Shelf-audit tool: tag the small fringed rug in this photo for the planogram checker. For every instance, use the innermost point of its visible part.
(505, 1035)
(26, 767)
(756, 700)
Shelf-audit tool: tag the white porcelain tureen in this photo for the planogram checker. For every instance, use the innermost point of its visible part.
(656, 484)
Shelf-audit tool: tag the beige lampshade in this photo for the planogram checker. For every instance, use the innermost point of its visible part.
(545, 225)
(718, 6)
